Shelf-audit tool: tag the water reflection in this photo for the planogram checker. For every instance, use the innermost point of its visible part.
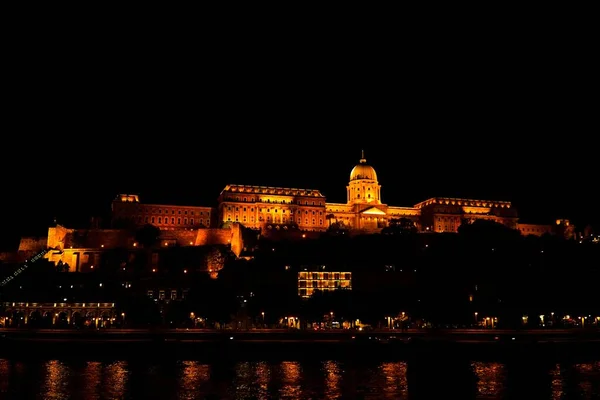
(491, 378)
(290, 380)
(115, 376)
(423, 378)
(192, 379)
(396, 383)
(251, 380)
(588, 378)
(5, 371)
(333, 373)
(91, 380)
(557, 382)
(57, 380)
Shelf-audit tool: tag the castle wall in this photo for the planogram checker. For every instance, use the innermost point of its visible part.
(534, 229)
(56, 236)
(33, 244)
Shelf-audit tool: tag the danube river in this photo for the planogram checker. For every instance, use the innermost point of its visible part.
(429, 378)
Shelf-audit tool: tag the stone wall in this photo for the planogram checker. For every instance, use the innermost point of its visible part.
(56, 236)
(213, 236)
(33, 244)
(98, 238)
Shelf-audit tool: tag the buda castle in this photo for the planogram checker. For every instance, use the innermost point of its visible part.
(279, 208)
(243, 210)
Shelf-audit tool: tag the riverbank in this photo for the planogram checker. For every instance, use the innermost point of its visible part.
(266, 344)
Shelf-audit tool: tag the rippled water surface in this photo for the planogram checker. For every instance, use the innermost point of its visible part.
(419, 379)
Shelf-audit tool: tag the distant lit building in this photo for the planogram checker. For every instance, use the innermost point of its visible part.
(310, 281)
(281, 208)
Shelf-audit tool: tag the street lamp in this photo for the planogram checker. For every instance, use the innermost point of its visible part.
(263, 317)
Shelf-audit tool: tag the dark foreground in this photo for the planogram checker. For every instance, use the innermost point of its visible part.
(274, 345)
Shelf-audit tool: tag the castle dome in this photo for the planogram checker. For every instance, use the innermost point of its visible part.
(363, 171)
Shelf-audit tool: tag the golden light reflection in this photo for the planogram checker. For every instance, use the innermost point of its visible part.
(92, 376)
(588, 378)
(491, 378)
(396, 383)
(290, 380)
(333, 374)
(57, 378)
(4, 375)
(251, 380)
(116, 375)
(193, 376)
(557, 383)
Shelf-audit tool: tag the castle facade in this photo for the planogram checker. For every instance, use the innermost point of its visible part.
(280, 208)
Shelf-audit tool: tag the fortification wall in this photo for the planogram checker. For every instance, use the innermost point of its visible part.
(56, 237)
(33, 244)
(213, 236)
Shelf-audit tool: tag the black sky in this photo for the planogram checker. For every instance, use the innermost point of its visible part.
(490, 117)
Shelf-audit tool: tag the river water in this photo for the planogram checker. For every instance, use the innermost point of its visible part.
(314, 379)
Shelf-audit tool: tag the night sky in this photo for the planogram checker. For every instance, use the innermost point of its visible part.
(175, 126)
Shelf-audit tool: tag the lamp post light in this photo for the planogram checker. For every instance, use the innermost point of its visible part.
(475, 318)
(263, 318)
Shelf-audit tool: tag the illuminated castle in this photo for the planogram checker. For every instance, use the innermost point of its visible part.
(279, 208)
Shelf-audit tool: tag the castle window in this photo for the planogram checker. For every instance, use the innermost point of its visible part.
(159, 220)
(178, 221)
(313, 221)
(192, 221)
(146, 219)
(152, 219)
(173, 221)
(244, 218)
(185, 212)
(320, 222)
(244, 209)
(185, 221)
(178, 211)
(160, 211)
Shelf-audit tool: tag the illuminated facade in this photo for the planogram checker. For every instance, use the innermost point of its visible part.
(309, 281)
(263, 207)
(260, 206)
(127, 208)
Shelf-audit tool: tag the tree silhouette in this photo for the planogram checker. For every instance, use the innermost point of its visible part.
(148, 235)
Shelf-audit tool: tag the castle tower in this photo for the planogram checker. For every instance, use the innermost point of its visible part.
(363, 187)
